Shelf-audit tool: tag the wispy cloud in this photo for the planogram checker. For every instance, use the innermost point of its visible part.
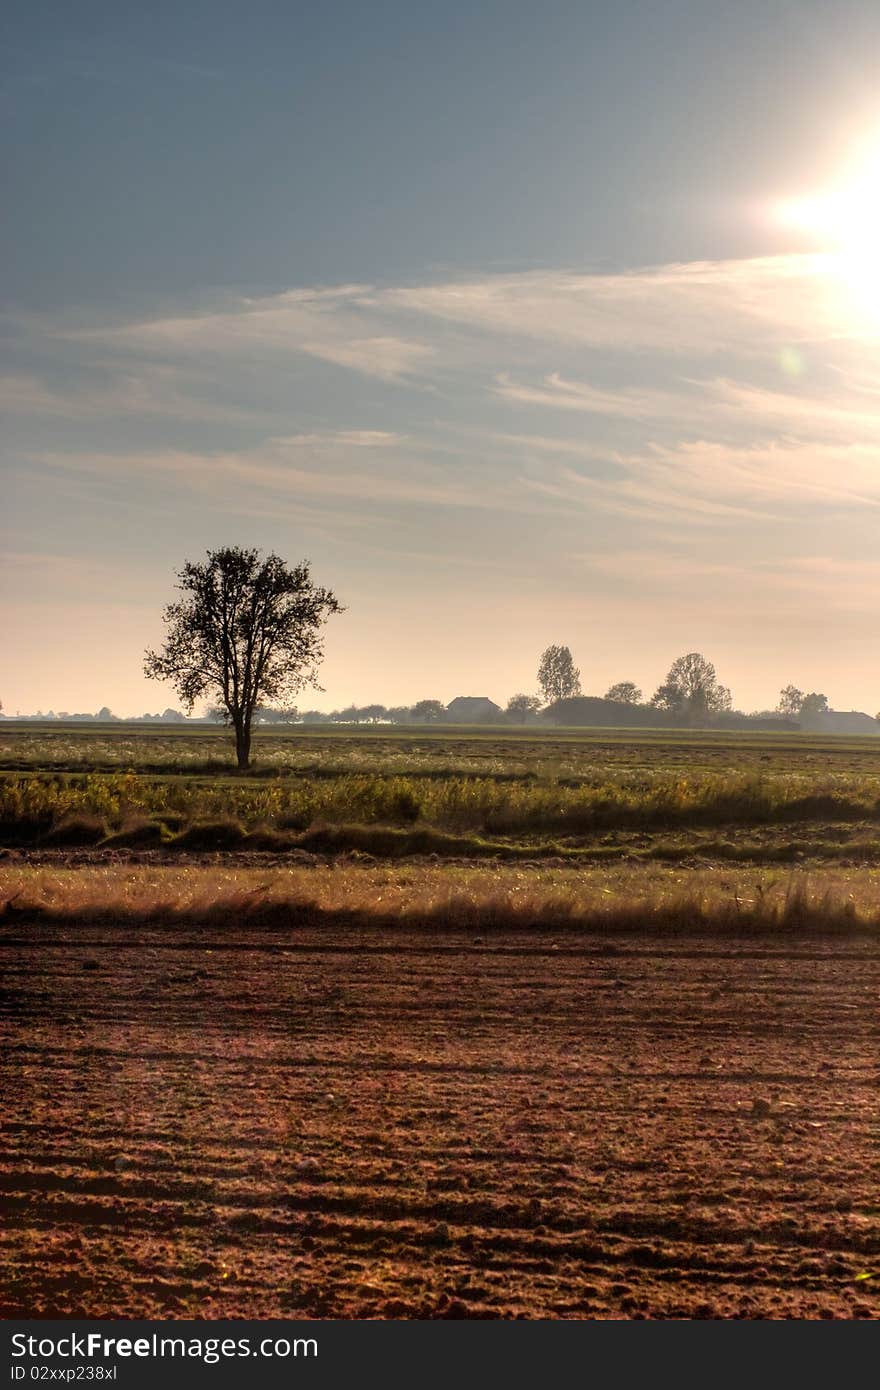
(158, 391)
(336, 325)
(328, 466)
(395, 333)
(558, 393)
(701, 306)
(715, 482)
(388, 358)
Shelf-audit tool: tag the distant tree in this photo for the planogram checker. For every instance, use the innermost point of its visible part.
(790, 700)
(428, 711)
(519, 707)
(399, 714)
(372, 714)
(350, 715)
(558, 676)
(668, 696)
(624, 693)
(315, 716)
(247, 630)
(813, 703)
(267, 715)
(691, 687)
(106, 716)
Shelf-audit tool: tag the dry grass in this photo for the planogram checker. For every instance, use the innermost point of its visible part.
(634, 898)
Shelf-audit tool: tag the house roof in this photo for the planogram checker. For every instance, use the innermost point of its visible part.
(482, 700)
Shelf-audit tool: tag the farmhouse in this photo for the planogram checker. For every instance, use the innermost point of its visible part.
(837, 721)
(472, 709)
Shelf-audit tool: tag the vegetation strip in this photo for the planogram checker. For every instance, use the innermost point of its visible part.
(602, 900)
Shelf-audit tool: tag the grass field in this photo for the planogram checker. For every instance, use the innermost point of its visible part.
(440, 1024)
(474, 794)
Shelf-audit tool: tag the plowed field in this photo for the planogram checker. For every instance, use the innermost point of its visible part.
(220, 1122)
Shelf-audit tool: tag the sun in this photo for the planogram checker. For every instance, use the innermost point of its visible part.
(845, 219)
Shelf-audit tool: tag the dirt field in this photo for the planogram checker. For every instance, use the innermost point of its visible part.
(244, 1122)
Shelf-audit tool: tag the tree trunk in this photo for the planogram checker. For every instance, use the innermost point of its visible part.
(243, 746)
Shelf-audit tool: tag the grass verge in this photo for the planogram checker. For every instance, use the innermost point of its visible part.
(642, 899)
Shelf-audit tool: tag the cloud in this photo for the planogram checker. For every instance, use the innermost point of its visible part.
(698, 307)
(407, 332)
(663, 400)
(355, 439)
(558, 393)
(727, 407)
(388, 358)
(712, 482)
(644, 490)
(331, 324)
(369, 468)
(150, 391)
(793, 472)
(655, 331)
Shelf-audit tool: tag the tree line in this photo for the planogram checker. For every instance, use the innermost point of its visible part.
(691, 689)
(247, 634)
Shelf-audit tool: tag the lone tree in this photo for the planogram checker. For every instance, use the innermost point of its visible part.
(558, 676)
(624, 693)
(246, 632)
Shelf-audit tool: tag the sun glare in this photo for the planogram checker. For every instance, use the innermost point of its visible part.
(846, 219)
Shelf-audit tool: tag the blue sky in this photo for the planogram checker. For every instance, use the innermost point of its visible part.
(485, 310)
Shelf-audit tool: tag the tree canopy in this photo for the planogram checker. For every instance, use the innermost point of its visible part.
(246, 632)
(790, 700)
(521, 706)
(558, 676)
(814, 703)
(624, 693)
(428, 711)
(691, 688)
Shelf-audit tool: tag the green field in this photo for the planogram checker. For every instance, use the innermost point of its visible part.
(571, 795)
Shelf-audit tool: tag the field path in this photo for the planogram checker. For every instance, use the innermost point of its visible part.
(220, 1122)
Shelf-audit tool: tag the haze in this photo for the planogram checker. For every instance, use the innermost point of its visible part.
(494, 316)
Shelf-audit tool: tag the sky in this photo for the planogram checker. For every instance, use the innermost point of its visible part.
(524, 325)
